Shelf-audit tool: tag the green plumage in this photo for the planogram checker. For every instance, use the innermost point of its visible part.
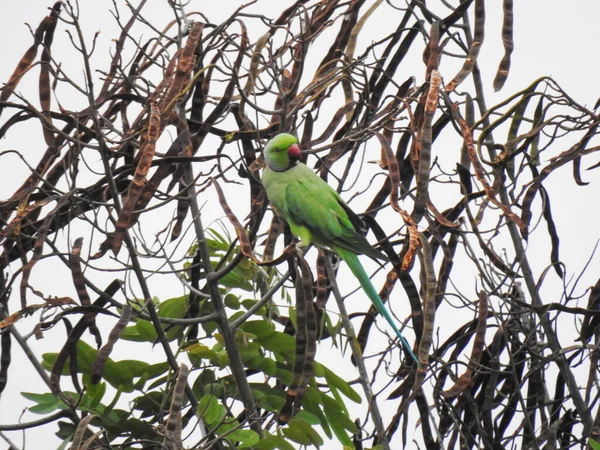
(316, 213)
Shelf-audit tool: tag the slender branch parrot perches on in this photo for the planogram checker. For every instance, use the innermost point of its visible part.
(316, 213)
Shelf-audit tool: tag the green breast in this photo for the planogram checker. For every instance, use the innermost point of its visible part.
(276, 186)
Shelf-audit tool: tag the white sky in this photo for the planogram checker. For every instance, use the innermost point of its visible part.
(550, 39)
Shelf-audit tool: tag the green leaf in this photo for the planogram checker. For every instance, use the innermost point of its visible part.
(45, 408)
(206, 378)
(337, 419)
(48, 360)
(95, 392)
(209, 327)
(268, 366)
(216, 241)
(311, 403)
(173, 308)
(232, 301)
(115, 373)
(136, 367)
(46, 403)
(222, 359)
(146, 330)
(65, 429)
(227, 427)
(114, 423)
(110, 417)
(296, 435)
(333, 329)
(301, 432)
(118, 375)
(149, 404)
(308, 417)
(66, 443)
(332, 408)
(273, 403)
(131, 333)
(254, 362)
(282, 444)
(594, 444)
(250, 353)
(39, 398)
(86, 355)
(259, 328)
(340, 384)
(267, 443)
(272, 442)
(241, 276)
(152, 370)
(284, 374)
(319, 370)
(246, 438)
(219, 389)
(202, 351)
(249, 303)
(109, 412)
(158, 382)
(140, 429)
(278, 342)
(210, 409)
(141, 382)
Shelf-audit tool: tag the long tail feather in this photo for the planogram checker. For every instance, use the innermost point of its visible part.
(365, 282)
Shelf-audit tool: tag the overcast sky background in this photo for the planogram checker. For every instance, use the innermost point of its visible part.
(553, 38)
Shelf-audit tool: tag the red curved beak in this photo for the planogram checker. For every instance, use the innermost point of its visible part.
(294, 152)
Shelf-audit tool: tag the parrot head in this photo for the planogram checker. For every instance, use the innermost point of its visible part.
(282, 152)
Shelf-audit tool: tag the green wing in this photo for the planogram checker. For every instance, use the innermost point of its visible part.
(316, 206)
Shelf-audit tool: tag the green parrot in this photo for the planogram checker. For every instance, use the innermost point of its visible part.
(317, 214)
